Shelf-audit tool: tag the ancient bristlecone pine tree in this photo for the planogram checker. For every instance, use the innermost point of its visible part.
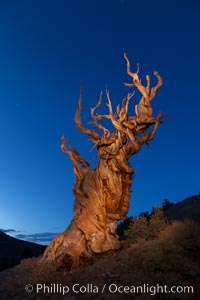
(102, 195)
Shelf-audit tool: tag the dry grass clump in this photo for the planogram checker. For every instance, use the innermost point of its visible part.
(176, 249)
(186, 235)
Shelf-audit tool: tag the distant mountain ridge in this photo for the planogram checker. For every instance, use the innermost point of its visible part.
(12, 250)
(189, 208)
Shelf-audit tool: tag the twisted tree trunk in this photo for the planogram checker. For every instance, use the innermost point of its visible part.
(102, 195)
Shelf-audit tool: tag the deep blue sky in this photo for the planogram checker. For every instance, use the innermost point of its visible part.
(47, 50)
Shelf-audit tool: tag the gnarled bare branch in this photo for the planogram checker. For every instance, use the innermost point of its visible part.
(143, 110)
(116, 123)
(95, 118)
(157, 86)
(134, 75)
(80, 164)
(95, 137)
(136, 80)
(123, 112)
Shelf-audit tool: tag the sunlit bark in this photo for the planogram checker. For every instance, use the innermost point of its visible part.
(102, 195)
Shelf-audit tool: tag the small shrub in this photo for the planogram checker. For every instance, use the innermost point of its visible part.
(146, 226)
(157, 222)
(138, 229)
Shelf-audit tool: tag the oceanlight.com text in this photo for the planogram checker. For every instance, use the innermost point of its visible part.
(112, 288)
